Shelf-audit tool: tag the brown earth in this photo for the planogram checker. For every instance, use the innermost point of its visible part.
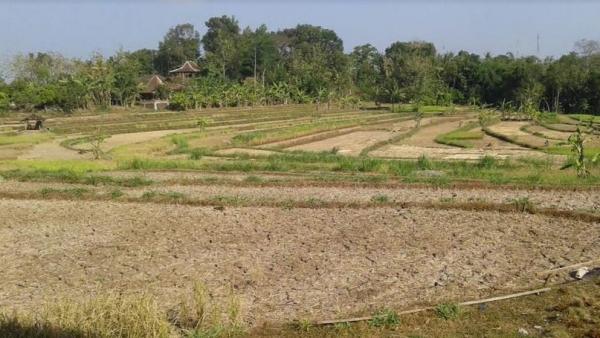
(403, 151)
(588, 200)
(52, 150)
(348, 144)
(283, 264)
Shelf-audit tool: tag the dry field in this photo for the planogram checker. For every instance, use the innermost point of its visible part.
(282, 263)
(300, 214)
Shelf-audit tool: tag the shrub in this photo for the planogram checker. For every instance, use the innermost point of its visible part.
(380, 198)
(447, 311)
(180, 102)
(385, 318)
(423, 163)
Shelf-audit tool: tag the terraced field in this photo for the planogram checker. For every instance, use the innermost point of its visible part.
(298, 214)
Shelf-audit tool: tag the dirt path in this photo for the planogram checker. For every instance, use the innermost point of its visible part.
(283, 264)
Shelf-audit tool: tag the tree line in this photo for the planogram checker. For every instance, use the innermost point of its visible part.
(305, 64)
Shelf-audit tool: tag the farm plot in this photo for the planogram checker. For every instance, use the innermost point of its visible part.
(424, 143)
(348, 144)
(283, 264)
(514, 131)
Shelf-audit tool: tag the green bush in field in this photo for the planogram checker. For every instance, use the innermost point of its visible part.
(385, 318)
(447, 311)
(4, 102)
(180, 101)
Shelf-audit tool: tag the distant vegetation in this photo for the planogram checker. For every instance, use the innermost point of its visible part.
(305, 64)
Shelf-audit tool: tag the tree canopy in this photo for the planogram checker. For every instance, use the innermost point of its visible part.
(305, 63)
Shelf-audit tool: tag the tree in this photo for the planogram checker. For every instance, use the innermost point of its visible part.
(412, 68)
(180, 44)
(221, 44)
(258, 54)
(366, 70)
(126, 73)
(145, 58)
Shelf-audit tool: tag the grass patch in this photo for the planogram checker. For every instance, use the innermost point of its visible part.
(462, 136)
(380, 199)
(25, 139)
(69, 193)
(447, 311)
(385, 319)
(75, 177)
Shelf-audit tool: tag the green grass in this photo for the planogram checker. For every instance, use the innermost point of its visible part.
(409, 108)
(74, 177)
(462, 136)
(520, 172)
(25, 139)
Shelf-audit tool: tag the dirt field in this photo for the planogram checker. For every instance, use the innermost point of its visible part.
(283, 263)
(348, 144)
(52, 150)
(587, 200)
(449, 153)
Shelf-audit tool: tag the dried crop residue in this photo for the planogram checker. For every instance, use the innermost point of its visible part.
(52, 150)
(404, 151)
(251, 152)
(348, 144)
(283, 263)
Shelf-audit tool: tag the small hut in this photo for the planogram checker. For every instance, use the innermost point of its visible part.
(150, 90)
(187, 70)
(34, 122)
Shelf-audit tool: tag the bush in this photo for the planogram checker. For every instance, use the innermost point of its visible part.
(4, 102)
(385, 318)
(180, 102)
(447, 311)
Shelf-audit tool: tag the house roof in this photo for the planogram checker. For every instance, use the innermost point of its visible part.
(187, 67)
(154, 82)
(33, 117)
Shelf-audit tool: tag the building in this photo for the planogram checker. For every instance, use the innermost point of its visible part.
(150, 95)
(187, 70)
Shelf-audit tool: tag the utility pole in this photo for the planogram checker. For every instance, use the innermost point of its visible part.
(538, 44)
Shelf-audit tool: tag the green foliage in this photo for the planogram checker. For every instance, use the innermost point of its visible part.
(423, 163)
(447, 311)
(380, 198)
(4, 102)
(385, 318)
(523, 204)
(180, 101)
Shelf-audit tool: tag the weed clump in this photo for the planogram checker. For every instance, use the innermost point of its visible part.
(447, 311)
(380, 198)
(385, 318)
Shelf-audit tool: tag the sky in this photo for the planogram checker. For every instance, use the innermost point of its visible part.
(78, 28)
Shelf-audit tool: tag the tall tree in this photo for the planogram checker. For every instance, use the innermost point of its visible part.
(366, 70)
(180, 44)
(221, 45)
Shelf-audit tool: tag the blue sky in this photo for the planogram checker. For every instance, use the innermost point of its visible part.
(77, 28)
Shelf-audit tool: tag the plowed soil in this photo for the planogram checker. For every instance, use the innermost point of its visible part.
(283, 264)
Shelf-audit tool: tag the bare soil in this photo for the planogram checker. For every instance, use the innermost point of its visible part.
(348, 144)
(52, 150)
(588, 200)
(449, 153)
(282, 263)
